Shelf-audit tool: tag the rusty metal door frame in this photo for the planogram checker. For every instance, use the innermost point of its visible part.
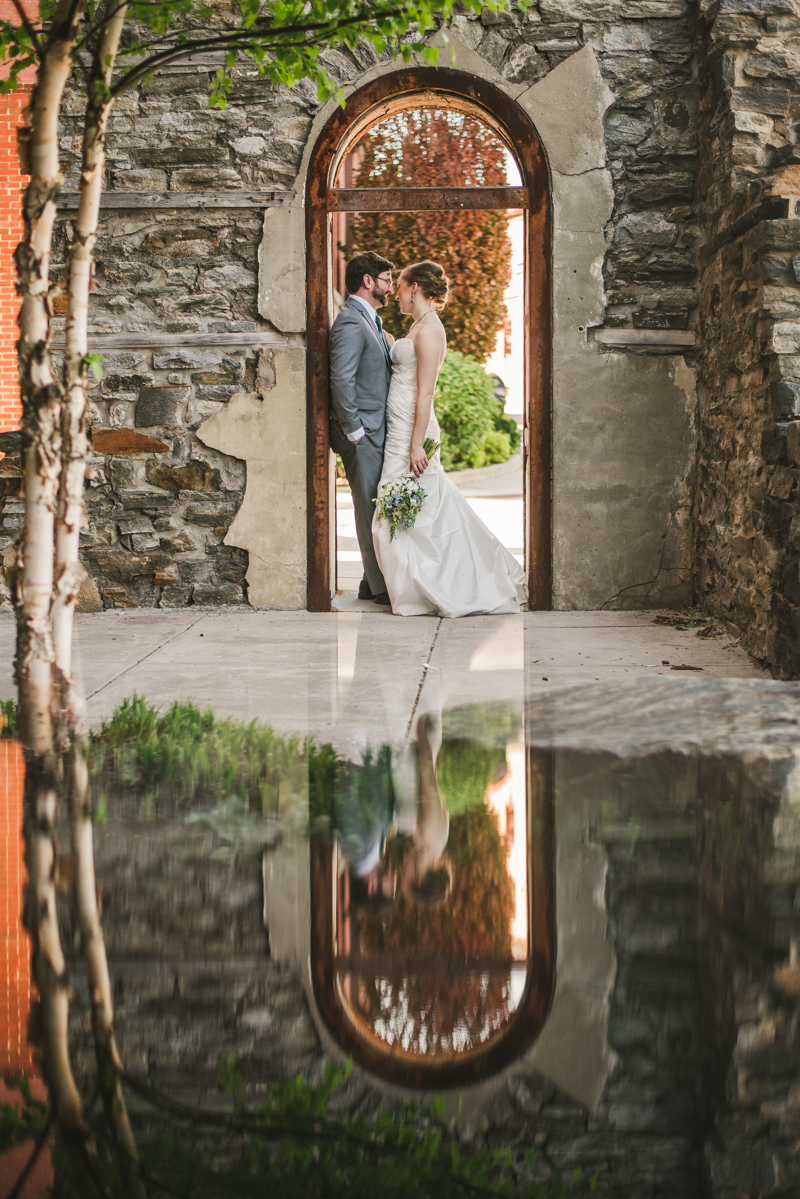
(395, 92)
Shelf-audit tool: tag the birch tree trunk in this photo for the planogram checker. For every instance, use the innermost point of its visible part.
(41, 409)
(68, 571)
(68, 575)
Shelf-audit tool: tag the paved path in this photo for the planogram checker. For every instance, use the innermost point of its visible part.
(494, 492)
(360, 675)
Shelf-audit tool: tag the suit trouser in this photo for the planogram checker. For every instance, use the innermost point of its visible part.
(363, 464)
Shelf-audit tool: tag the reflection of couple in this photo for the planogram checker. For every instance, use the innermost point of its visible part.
(404, 805)
(382, 411)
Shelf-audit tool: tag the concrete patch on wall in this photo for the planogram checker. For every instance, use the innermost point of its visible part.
(623, 432)
(623, 462)
(282, 269)
(268, 430)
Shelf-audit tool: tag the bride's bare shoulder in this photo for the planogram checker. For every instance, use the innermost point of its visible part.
(430, 337)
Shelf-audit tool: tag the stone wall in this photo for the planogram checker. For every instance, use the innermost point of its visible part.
(749, 452)
(178, 314)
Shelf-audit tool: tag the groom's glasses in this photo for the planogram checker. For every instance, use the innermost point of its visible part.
(384, 279)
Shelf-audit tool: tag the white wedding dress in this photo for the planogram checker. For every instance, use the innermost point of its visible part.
(449, 563)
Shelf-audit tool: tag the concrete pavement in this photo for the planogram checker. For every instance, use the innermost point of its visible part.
(360, 675)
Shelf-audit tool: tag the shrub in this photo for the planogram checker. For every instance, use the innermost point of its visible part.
(475, 430)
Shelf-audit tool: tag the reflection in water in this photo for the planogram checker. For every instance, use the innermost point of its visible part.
(669, 1061)
(430, 920)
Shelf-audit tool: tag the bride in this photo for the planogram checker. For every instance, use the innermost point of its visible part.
(449, 563)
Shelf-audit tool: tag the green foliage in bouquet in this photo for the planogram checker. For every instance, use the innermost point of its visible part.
(475, 430)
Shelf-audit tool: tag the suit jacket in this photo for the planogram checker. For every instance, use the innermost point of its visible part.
(360, 372)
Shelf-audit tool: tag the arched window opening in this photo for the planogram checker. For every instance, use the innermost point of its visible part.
(432, 903)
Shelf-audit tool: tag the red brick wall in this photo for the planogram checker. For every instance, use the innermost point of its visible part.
(11, 185)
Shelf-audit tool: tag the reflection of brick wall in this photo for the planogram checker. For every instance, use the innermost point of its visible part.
(14, 947)
(15, 987)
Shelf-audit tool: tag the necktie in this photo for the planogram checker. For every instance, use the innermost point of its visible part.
(379, 323)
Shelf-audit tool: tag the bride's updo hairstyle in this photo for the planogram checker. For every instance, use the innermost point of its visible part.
(431, 280)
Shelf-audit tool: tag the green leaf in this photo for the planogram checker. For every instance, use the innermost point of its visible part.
(94, 362)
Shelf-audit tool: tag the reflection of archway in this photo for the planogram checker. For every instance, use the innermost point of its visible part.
(366, 106)
(388, 1060)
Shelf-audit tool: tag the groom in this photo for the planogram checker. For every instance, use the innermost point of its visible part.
(361, 368)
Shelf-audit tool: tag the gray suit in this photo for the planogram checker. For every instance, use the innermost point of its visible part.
(361, 370)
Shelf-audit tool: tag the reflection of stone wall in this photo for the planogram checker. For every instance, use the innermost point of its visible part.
(701, 900)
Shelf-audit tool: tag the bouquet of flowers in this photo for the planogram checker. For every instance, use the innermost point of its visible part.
(400, 501)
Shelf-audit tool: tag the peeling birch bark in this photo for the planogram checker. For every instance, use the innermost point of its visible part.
(68, 571)
(41, 406)
(94, 953)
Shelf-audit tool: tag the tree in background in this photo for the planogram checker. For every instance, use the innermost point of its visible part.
(433, 147)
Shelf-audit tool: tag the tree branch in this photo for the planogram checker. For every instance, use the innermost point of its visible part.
(29, 29)
(233, 41)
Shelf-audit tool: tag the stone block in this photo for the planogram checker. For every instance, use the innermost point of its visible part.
(662, 189)
(773, 442)
(195, 570)
(120, 473)
(524, 65)
(182, 153)
(144, 541)
(175, 596)
(11, 441)
(88, 597)
(785, 396)
(139, 181)
(783, 482)
(212, 515)
(126, 441)
(791, 580)
(178, 543)
(770, 100)
(112, 384)
(135, 524)
(199, 179)
(160, 406)
(191, 476)
(225, 593)
(145, 500)
(186, 359)
(793, 440)
(758, 8)
(11, 468)
(119, 564)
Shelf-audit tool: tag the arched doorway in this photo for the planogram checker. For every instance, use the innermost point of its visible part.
(363, 109)
(445, 1008)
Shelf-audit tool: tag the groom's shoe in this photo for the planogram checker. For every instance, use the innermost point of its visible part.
(363, 590)
(383, 598)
